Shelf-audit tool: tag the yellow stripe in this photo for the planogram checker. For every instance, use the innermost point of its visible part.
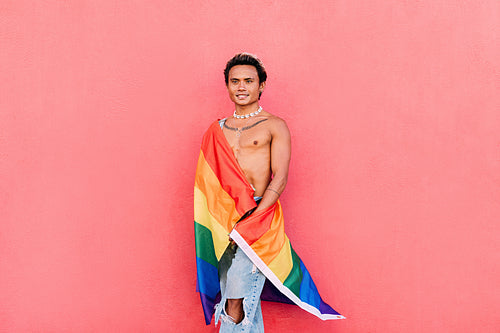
(219, 202)
(282, 264)
(202, 216)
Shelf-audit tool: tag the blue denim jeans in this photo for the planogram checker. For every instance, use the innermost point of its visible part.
(240, 278)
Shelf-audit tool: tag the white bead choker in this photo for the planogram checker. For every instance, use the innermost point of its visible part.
(247, 115)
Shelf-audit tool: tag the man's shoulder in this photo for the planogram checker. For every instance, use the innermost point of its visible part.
(273, 119)
(277, 120)
(276, 123)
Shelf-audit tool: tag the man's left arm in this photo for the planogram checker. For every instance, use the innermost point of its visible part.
(280, 161)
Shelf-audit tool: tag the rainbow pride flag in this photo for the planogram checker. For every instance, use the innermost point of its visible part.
(222, 195)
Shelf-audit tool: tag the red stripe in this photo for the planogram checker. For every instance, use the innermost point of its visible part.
(220, 158)
(253, 227)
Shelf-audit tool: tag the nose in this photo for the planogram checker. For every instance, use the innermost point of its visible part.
(241, 85)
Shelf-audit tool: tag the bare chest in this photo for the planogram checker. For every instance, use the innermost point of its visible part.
(254, 137)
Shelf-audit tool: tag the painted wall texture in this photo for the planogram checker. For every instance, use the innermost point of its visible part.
(393, 200)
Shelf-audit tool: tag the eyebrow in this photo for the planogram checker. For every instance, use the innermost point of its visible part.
(246, 78)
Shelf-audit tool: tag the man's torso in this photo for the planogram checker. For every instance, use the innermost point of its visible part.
(251, 140)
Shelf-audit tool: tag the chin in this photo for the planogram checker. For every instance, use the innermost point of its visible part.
(245, 101)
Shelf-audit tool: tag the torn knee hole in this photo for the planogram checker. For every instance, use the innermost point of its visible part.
(234, 310)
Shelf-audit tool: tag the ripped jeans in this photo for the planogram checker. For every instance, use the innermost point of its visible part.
(240, 278)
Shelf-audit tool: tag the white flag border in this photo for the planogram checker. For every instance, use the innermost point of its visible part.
(277, 283)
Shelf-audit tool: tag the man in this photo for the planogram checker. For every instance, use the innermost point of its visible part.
(260, 141)
(261, 145)
(241, 173)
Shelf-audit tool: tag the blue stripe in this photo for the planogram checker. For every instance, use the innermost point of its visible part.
(208, 278)
(308, 291)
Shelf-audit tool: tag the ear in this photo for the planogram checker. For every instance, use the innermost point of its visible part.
(262, 86)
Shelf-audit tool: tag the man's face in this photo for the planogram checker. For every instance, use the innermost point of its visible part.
(243, 85)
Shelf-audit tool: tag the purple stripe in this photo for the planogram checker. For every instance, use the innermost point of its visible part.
(208, 306)
(325, 308)
(272, 294)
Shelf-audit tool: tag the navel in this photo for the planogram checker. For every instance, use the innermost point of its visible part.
(255, 142)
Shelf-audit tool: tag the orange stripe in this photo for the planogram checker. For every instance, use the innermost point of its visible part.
(264, 232)
(219, 202)
(269, 245)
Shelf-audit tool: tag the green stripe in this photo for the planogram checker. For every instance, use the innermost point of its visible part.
(294, 279)
(204, 244)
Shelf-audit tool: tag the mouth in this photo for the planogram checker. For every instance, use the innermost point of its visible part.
(241, 96)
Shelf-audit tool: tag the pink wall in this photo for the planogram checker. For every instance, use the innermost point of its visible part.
(393, 200)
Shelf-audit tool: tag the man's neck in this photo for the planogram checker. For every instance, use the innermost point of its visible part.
(246, 109)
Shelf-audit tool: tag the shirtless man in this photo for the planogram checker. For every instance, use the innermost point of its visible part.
(260, 142)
